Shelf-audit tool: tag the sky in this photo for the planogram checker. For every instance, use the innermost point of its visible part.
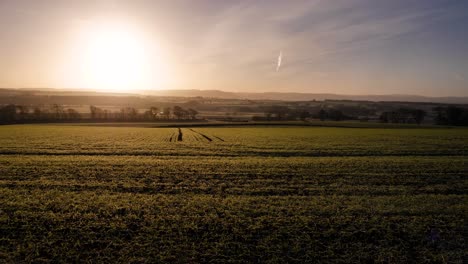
(327, 46)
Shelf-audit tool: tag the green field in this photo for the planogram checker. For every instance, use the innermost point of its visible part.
(232, 194)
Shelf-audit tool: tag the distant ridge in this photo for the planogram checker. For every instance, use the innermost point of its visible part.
(307, 96)
(277, 96)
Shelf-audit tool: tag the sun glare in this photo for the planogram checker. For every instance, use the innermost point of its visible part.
(118, 59)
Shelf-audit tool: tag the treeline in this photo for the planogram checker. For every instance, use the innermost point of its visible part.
(57, 113)
(24, 114)
(451, 115)
(440, 115)
(448, 115)
(284, 113)
(404, 116)
(152, 114)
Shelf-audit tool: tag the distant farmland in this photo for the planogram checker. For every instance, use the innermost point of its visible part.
(232, 194)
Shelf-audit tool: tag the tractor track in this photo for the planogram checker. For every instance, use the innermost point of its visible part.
(203, 135)
(193, 135)
(218, 138)
(180, 135)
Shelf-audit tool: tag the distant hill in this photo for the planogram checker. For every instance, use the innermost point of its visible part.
(306, 96)
(278, 96)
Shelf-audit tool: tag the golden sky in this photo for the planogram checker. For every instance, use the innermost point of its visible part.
(342, 46)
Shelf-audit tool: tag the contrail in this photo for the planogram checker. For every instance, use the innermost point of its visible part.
(280, 58)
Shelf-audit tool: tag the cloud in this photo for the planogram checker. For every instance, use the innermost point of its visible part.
(280, 59)
(248, 34)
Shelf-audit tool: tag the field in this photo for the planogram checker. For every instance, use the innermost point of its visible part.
(232, 194)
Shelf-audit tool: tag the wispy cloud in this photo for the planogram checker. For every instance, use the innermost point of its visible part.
(280, 59)
(247, 34)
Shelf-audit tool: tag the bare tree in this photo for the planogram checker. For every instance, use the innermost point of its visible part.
(167, 112)
(154, 111)
(72, 114)
(192, 113)
(178, 112)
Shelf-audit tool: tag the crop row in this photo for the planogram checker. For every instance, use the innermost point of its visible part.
(229, 142)
(240, 176)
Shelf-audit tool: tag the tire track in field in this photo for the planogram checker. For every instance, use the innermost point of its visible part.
(218, 138)
(169, 139)
(205, 136)
(196, 137)
(180, 135)
(175, 136)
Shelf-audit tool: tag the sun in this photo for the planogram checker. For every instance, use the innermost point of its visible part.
(116, 58)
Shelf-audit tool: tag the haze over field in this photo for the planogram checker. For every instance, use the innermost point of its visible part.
(10, 95)
(334, 47)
